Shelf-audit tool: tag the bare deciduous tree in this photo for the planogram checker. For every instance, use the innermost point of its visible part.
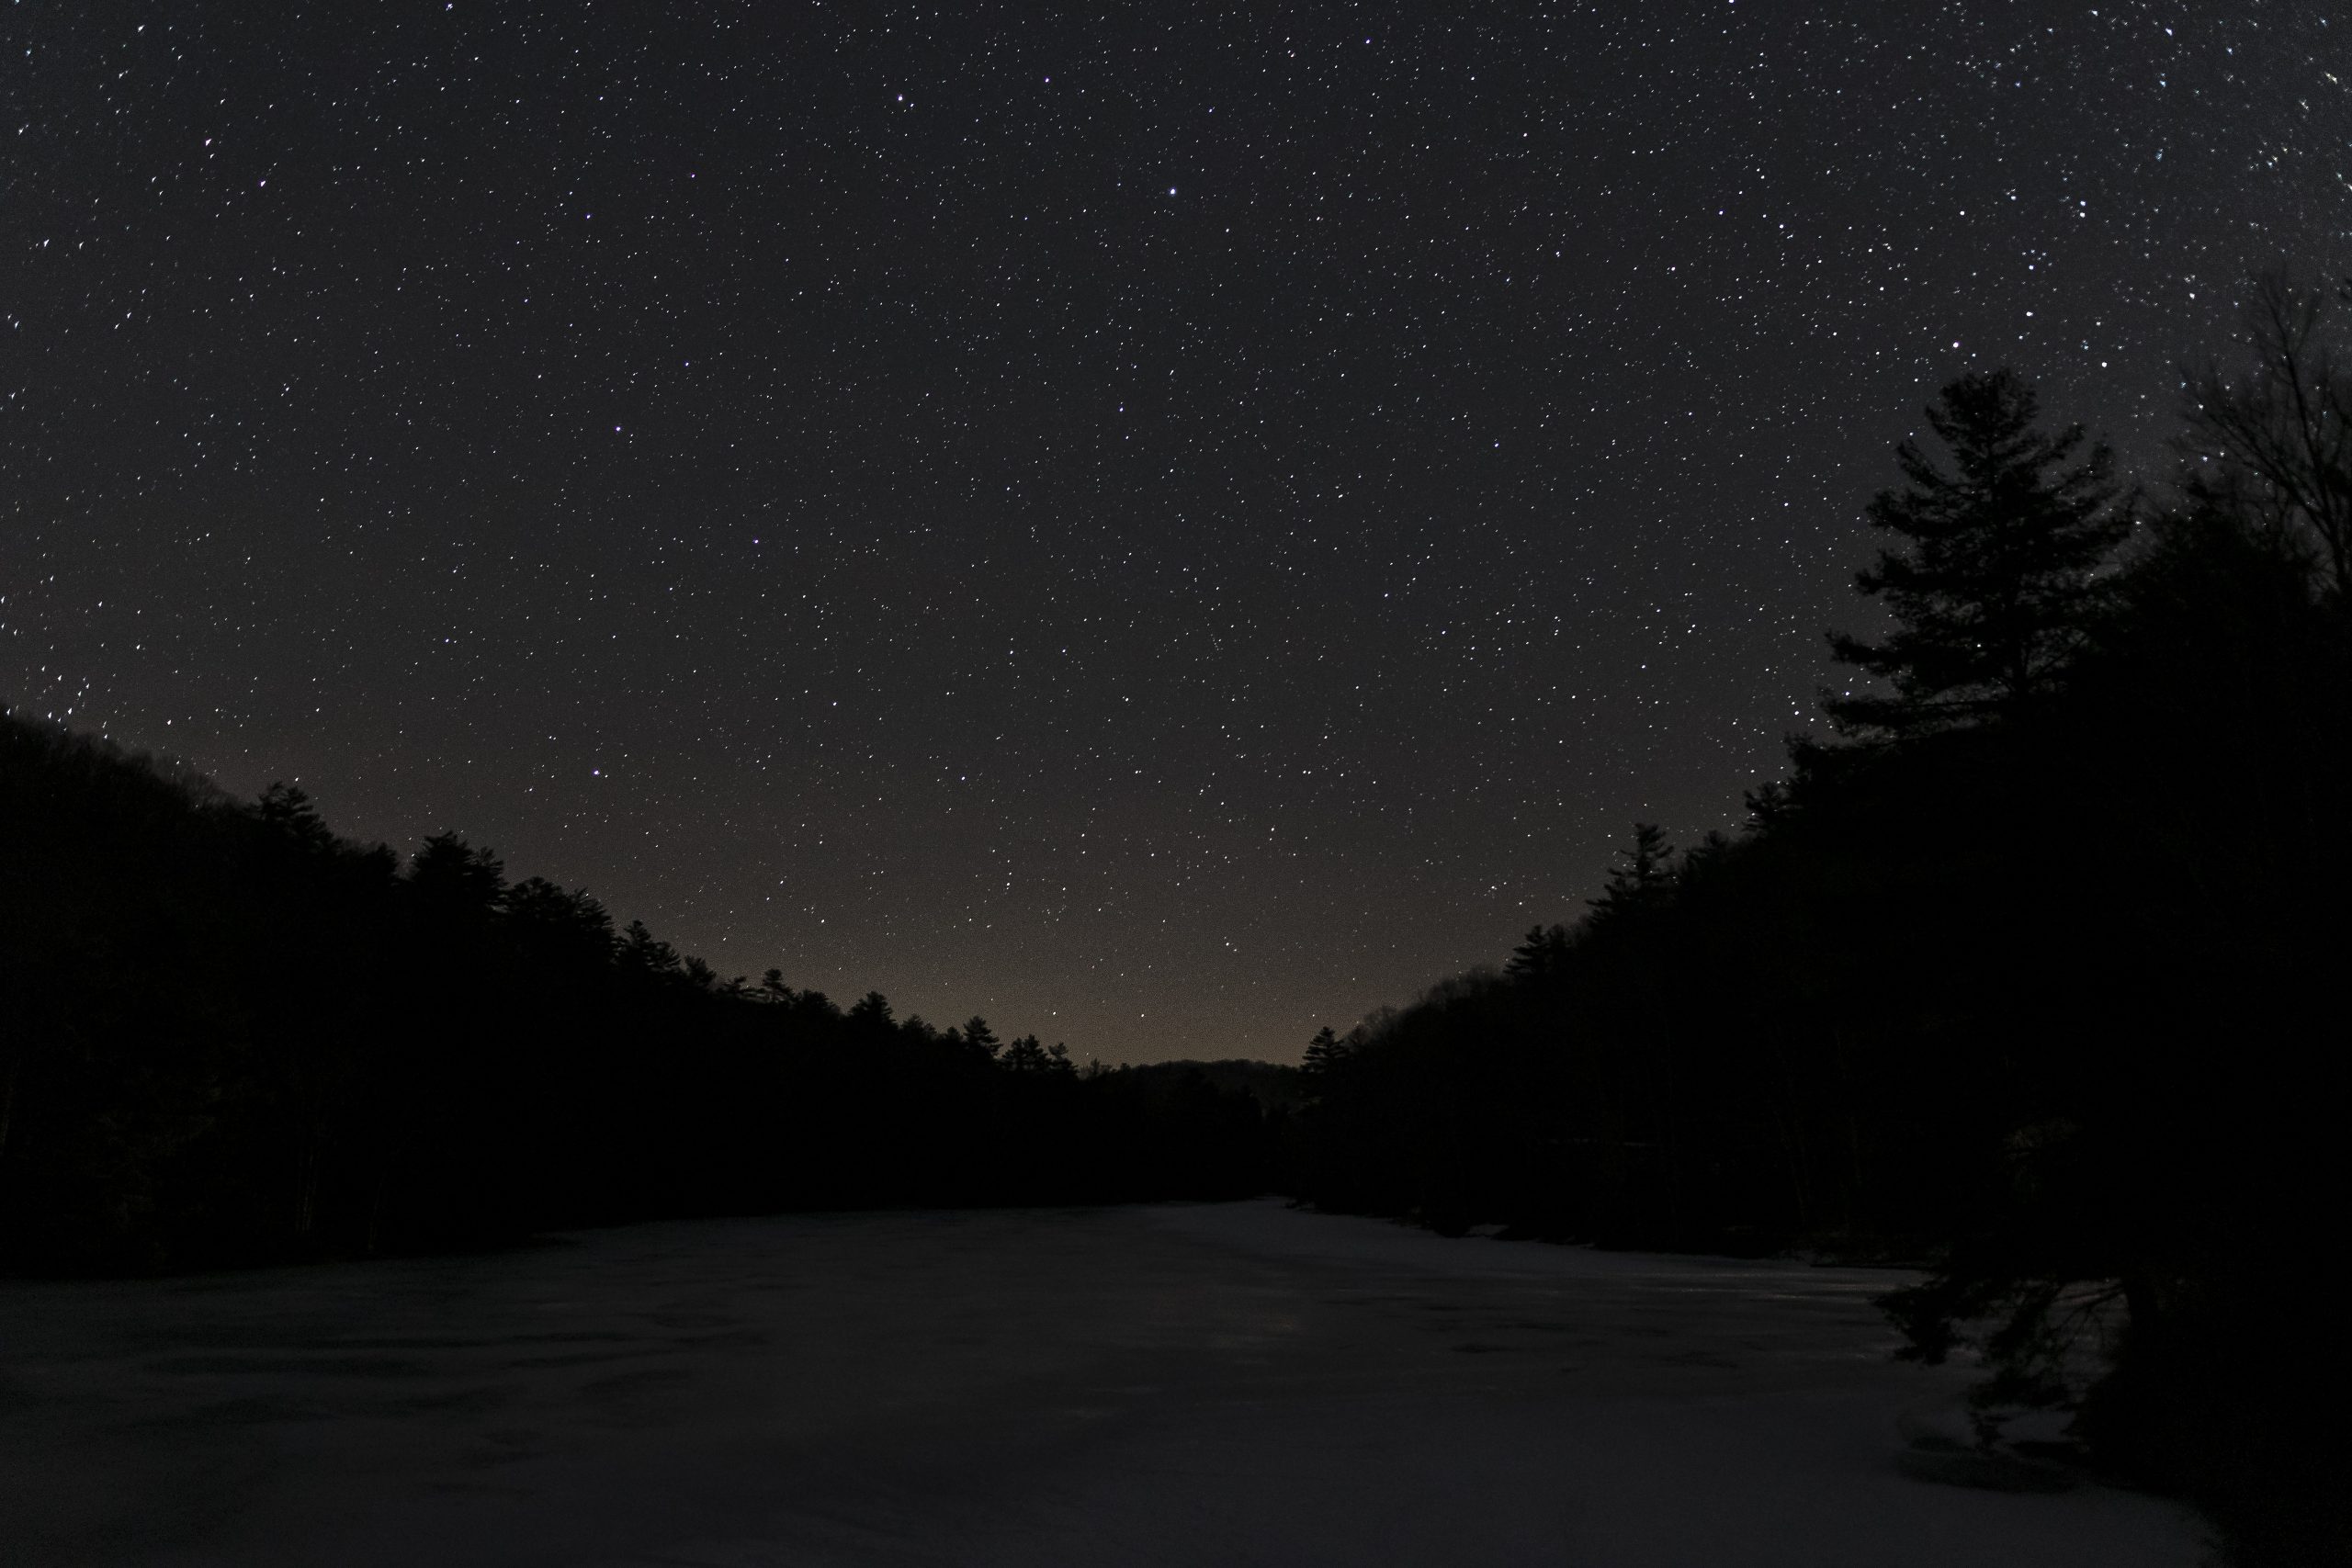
(2274, 440)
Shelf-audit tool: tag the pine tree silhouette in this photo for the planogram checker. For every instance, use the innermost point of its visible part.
(1993, 586)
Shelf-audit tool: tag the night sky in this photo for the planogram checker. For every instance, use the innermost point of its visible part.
(1168, 530)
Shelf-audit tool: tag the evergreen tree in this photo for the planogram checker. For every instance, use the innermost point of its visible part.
(1543, 951)
(289, 811)
(1993, 588)
(980, 1038)
(550, 921)
(450, 874)
(1027, 1055)
(643, 953)
(1640, 874)
(870, 1017)
(1324, 1053)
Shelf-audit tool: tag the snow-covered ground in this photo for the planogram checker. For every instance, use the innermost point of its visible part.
(1230, 1384)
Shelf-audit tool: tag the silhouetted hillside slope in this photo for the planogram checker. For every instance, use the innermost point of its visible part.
(226, 1035)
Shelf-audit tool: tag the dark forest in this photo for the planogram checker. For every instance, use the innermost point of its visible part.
(234, 1037)
(2025, 975)
(2026, 972)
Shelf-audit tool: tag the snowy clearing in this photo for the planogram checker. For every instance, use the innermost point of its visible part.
(1229, 1383)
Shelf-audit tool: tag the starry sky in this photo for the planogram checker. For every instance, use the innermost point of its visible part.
(1166, 525)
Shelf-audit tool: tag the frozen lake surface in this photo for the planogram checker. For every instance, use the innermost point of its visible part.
(1226, 1383)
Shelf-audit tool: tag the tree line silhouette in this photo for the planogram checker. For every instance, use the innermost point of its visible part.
(2032, 971)
(229, 1037)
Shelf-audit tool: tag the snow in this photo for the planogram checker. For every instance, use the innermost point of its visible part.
(1229, 1383)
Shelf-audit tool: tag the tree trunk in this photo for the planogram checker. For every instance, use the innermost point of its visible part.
(8, 1100)
(1792, 1150)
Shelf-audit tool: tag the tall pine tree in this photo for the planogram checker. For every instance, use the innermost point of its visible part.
(1994, 585)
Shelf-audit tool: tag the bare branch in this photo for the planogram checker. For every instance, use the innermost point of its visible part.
(2282, 431)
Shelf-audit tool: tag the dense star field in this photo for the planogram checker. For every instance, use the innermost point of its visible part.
(1164, 529)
